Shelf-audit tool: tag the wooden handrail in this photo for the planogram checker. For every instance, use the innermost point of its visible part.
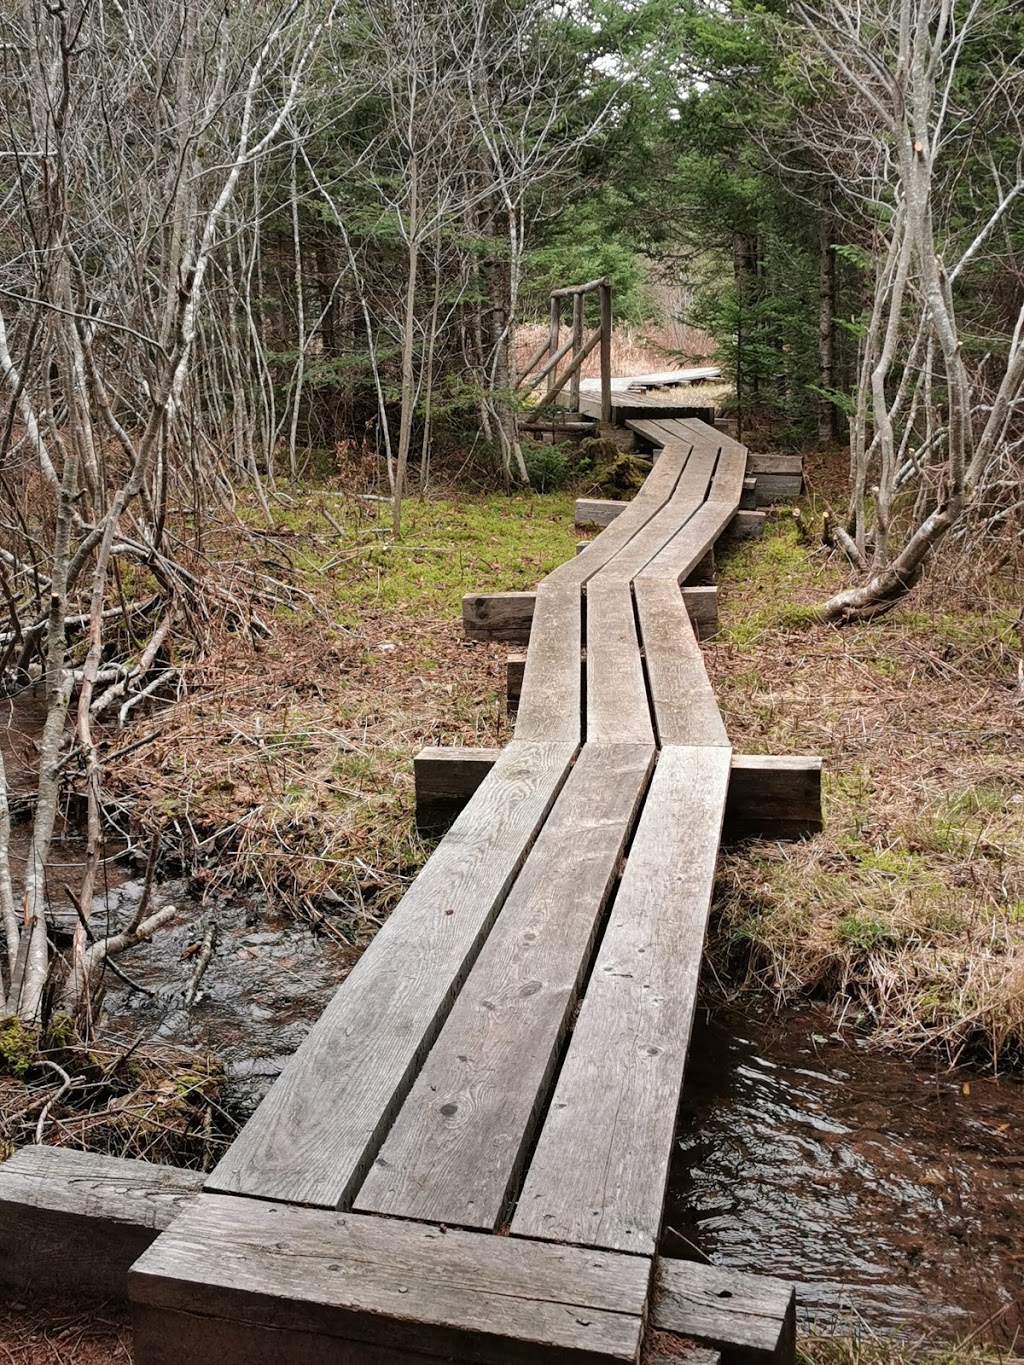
(575, 344)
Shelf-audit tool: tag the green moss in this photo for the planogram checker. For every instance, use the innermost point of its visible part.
(18, 1047)
(864, 931)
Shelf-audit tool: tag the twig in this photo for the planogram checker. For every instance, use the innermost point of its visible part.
(67, 1084)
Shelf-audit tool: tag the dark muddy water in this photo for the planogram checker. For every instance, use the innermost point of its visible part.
(892, 1194)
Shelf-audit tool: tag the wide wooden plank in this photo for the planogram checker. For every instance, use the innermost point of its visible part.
(391, 1284)
(598, 1174)
(457, 1146)
(321, 1124)
(686, 550)
(551, 698)
(656, 491)
(684, 705)
(750, 1318)
(597, 511)
(617, 707)
(75, 1221)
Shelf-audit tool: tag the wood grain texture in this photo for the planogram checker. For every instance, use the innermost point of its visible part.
(784, 465)
(75, 1221)
(498, 616)
(597, 511)
(751, 1319)
(684, 705)
(457, 1146)
(393, 1284)
(774, 796)
(598, 1174)
(617, 707)
(445, 778)
(321, 1124)
(550, 704)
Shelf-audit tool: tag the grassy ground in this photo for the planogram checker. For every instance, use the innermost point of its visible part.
(907, 913)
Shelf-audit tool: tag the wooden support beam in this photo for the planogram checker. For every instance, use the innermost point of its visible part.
(746, 525)
(750, 1319)
(748, 498)
(771, 796)
(597, 511)
(779, 477)
(606, 352)
(74, 1222)
(445, 779)
(581, 545)
(250, 1282)
(508, 616)
(515, 668)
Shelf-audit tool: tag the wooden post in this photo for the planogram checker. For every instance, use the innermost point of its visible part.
(554, 326)
(606, 351)
(577, 347)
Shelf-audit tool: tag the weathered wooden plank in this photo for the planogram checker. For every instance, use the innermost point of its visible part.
(772, 488)
(629, 405)
(75, 1221)
(773, 796)
(382, 1283)
(775, 464)
(321, 1124)
(598, 1174)
(550, 704)
(617, 707)
(749, 496)
(701, 605)
(445, 778)
(685, 710)
(685, 551)
(456, 1149)
(597, 511)
(498, 616)
(751, 1319)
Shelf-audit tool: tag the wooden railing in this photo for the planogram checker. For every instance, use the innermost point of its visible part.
(555, 350)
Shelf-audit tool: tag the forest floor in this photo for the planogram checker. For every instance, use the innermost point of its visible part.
(288, 763)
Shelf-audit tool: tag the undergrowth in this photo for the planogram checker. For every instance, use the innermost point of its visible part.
(907, 913)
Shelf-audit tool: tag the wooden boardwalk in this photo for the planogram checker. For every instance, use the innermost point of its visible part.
(467, 1157)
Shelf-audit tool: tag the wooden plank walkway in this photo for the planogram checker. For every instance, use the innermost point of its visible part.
(507, 1055)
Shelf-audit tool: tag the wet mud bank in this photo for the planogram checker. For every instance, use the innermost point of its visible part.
(891, 1193)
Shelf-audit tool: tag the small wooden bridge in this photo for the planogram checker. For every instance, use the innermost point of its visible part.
(467, 1157)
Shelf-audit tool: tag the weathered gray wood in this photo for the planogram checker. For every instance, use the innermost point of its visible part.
(550, 704)
(75, 1221)
(617, 706)
(498, 615)
(626, 406)
(774, 797)
(321, 1124)
(445, 778)
(665, 1348)
(515, 668)
(746, 526)
(581, 545)
(751, 1319)
(789, 465)
(748, 497)
(703, 572)
(382, 1283)
(598, 1174)
(729, 425)
(772, 488)
(685, 710)
(597, 511)
(456, 1149)
(701, 606)
(685, 551)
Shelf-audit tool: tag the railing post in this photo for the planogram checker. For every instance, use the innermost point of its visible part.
(606, 351)
(577, 346)
(554, 326)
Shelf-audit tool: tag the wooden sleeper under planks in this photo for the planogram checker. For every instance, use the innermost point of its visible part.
(321, 1124)
(598, 1173)
(76, 1221)
(247, 1282)
(750, 1318)
(508, 617)
(457, 1145)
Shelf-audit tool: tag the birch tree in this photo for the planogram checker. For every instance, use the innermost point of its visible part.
(127, 133)
(916, 111)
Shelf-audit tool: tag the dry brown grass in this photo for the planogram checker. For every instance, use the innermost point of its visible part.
(907, 913)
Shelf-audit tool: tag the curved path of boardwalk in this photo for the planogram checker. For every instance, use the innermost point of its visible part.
(467, 1157)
